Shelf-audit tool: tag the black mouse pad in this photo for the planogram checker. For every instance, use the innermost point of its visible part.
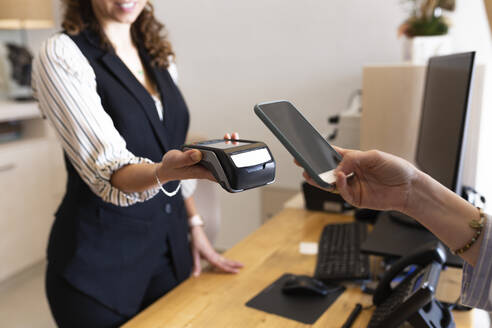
(302, 308)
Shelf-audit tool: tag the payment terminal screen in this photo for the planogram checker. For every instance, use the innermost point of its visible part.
(227, 144)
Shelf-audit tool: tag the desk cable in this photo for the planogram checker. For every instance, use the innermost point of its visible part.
(355, 313)
(456, 306)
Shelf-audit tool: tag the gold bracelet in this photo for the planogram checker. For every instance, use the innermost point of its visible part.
(478, 227)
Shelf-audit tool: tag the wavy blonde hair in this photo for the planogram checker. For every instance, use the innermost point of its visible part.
(147, 30)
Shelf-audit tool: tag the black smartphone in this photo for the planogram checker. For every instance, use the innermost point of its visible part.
(301, 139)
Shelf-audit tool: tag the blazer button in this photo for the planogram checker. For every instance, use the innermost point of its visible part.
(169, 209)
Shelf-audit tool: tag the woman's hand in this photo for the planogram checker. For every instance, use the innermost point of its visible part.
(381, 181)
(179, 165)
(201, 248)
(234, 136)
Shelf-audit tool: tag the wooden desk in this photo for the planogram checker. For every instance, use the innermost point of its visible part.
(218, 300)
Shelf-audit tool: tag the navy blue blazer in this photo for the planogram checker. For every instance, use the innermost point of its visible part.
(111, 252)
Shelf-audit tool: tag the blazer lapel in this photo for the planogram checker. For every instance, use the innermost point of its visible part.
(119, 69)
(158, 75)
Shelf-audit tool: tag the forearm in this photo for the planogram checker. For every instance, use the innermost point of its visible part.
(175, 165)
(190, 207)
(135, 177)
(445, 214)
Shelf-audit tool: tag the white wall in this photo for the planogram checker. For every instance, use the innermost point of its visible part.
(470, 31)
(233, 54)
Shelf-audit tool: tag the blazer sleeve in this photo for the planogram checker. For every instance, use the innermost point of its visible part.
(64, 84)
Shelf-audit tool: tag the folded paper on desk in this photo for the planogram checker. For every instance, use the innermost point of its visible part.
(305, 309)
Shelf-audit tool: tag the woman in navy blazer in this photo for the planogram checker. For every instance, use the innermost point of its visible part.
(118, 243)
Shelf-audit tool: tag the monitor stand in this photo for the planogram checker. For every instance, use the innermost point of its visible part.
(405, 219)
(392, 238)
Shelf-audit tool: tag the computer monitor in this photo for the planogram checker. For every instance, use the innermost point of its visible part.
(441, 140)
(440, 150)
(443, 120)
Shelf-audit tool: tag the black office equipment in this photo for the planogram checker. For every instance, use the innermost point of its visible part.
(444, 118)
(440, 149)
(10, 131)
(353, 316)
(303, 308)
(473, 196)
(339, 256)
(15, 71)
(412, 299)
(305, 285)
(237, 165)
(317, 199)
(395, 239)
(366, 215)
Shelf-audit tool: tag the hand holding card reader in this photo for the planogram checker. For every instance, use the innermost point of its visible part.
(412, 299)
(237, 165)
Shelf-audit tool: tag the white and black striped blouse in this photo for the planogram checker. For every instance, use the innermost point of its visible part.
(64, 84)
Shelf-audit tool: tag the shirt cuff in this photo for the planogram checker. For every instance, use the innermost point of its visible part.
(188, 187)
(476, 282)
(111, 194)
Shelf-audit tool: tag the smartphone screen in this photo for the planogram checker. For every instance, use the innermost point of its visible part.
(297, 132)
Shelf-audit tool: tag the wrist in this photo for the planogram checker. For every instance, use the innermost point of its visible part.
(196, 228)
(414, 194)
(428, 199)
(158, 174)
(195, 221)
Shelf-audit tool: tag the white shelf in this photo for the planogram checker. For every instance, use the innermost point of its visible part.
(16, 111)
(25, 221)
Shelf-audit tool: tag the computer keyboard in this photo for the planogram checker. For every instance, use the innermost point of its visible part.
(339, 256)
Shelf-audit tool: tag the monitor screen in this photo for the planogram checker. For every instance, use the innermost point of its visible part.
(443, 118)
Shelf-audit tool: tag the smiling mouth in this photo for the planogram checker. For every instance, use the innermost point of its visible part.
(127, 5)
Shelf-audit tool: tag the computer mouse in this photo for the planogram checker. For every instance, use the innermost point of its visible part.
(305, 285)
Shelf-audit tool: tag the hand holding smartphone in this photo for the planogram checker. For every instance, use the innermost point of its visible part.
(302, 140)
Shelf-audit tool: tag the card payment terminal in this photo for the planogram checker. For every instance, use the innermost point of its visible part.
(237, 164)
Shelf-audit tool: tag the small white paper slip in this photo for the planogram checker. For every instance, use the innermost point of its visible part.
(308, 248)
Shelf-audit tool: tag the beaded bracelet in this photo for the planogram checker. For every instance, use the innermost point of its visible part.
(478, 227)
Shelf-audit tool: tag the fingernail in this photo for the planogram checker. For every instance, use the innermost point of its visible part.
(196, 156)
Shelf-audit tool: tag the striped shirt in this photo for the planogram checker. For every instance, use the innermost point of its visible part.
(476, 284)
(64, 84)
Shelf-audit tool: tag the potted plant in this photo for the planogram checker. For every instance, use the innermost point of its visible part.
(426, 30)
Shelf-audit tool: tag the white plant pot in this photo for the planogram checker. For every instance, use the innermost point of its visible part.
(419, 49)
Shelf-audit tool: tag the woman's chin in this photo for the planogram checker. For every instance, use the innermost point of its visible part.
(124, 19)
(127, 16)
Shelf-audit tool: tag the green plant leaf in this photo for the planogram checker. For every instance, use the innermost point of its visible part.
(427, 27)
